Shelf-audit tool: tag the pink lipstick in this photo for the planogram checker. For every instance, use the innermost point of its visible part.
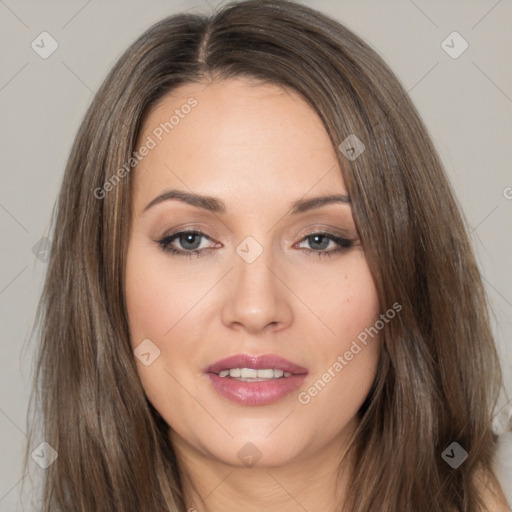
(255, 379)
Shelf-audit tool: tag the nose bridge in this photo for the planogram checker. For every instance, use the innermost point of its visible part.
(252, 268)
(256, 296)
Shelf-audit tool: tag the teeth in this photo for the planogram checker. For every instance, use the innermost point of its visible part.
(248, 374)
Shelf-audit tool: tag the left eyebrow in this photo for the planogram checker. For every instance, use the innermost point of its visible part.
(304, 205)
(216, 205)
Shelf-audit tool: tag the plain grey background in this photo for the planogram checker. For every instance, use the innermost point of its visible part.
(465, 101)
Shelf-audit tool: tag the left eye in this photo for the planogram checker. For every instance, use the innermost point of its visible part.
(321, 240)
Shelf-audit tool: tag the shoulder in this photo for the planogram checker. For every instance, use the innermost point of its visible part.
(491, 494)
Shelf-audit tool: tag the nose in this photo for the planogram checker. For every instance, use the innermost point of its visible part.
(257, 298)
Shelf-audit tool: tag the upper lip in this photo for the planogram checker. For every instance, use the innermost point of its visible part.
(257, 362)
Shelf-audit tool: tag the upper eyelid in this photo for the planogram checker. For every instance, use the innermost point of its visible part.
(348, 232)
(314, 231)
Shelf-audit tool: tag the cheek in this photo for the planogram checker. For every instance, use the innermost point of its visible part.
(157, 295)
(165, 304)
(346, 302)
(156, 300)
(149, 302)
(358, 340)
(346, 360)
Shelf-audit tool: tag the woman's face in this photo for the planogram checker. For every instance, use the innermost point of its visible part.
(263, 289)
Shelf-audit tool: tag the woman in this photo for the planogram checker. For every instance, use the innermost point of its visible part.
(198, 350)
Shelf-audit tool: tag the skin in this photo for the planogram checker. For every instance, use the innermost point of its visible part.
(258, 148)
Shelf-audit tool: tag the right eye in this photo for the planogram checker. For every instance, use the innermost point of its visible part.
(190, 241)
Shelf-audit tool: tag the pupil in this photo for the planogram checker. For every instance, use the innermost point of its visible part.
(189, 239)
(315, 240)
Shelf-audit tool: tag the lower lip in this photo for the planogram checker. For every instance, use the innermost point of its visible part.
(256, 393)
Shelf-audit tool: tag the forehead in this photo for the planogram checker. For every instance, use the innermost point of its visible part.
(236, 139)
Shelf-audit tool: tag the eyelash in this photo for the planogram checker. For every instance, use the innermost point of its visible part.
(165, 244)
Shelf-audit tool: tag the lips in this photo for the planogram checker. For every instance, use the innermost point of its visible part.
(257, 363)
(255, 391)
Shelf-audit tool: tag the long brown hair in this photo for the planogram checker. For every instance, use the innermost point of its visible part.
(438, 376)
